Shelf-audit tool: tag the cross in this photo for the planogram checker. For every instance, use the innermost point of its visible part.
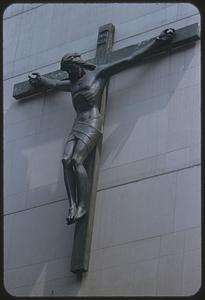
(83, 229)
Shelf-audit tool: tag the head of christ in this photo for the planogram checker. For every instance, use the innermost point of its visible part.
(75, 66)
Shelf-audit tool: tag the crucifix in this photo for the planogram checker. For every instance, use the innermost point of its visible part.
(87, 81)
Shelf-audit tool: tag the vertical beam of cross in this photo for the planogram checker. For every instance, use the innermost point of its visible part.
(84, 228)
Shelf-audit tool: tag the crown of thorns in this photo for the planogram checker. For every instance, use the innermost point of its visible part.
(74, 58)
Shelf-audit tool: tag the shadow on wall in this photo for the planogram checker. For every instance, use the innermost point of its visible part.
(66, 286)
(126, 112)
(36, 155)
(31, 267)
(43, 163)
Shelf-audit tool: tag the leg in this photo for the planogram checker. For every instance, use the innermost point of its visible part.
(80, 154)
(69, 179)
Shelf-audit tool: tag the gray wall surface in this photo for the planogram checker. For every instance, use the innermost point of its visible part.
(147, 226)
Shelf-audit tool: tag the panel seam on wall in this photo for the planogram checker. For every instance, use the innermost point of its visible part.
(103, 189)
(22, 12)
(149, 177)
(91, 50)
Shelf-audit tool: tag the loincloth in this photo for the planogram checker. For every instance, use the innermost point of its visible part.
(88, 131)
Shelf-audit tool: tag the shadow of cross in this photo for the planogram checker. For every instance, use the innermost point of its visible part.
(104, 54)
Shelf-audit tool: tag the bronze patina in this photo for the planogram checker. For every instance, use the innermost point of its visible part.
(86, 81)
(86, 84)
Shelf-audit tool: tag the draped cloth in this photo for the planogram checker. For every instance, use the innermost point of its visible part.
(88, 131)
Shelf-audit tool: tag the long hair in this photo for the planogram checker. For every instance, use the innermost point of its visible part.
(74, 58)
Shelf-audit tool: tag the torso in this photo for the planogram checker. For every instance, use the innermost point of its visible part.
(86, 93)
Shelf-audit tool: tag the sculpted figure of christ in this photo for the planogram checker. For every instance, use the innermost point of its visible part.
(86, 83)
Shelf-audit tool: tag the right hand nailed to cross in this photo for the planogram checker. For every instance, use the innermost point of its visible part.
(37, 81)
(166, 36)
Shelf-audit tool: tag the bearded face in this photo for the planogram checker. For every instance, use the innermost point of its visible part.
(69, 63)
(75, 66)
(74, 71)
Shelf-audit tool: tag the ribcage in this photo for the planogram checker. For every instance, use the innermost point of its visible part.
(85, 99)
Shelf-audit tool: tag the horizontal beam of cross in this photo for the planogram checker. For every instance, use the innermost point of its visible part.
(182, 37)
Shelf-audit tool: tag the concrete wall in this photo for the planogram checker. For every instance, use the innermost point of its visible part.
(146, 236)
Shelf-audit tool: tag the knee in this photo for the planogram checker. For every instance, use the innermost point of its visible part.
(66, 160)
(76, 160)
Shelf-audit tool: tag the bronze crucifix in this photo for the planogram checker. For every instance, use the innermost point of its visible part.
(86, 84)
(86, 81)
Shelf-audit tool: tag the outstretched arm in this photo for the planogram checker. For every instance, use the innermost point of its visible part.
(42, 81)
(145, 48)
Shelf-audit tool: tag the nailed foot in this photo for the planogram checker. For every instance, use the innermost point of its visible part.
(81, 211)
(71, 215)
